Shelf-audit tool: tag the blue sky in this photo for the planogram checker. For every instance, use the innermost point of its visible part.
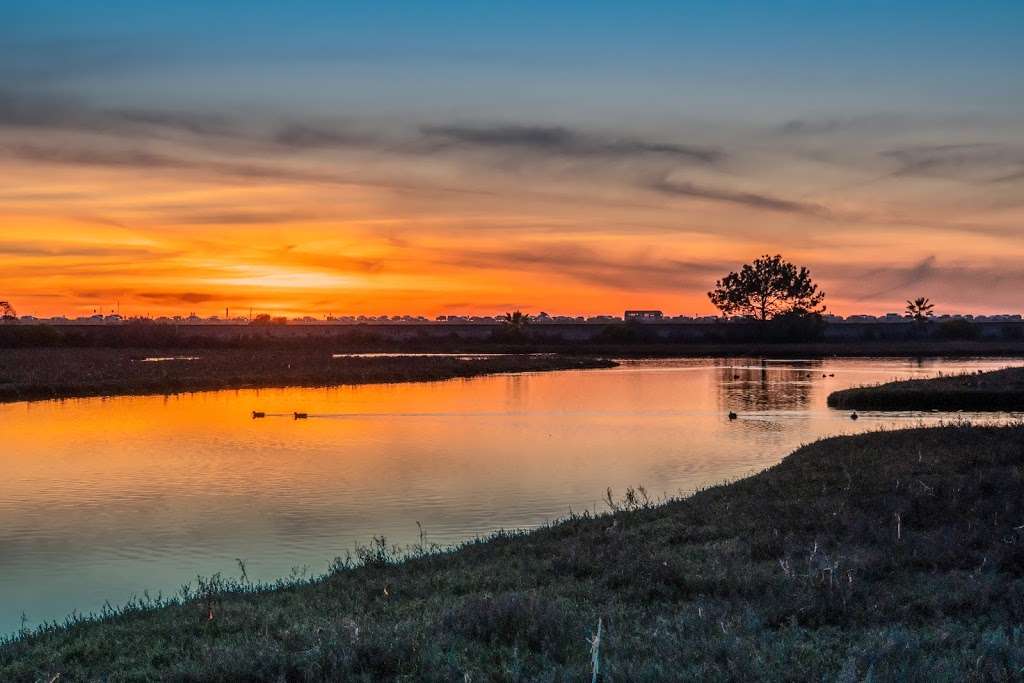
(727, 59)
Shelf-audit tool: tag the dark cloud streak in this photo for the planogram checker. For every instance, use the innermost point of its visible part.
(977, 161)
(818, 127)
(239, 217)
(557, 140)
(750, 199)
(146, 160)
(572, 260)
(899, 278)
(42, 249)
(302, 136)
(69, 113)
(179, 297)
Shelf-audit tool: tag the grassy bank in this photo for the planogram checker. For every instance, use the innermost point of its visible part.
(996, 390)
(884, 556)
(32, 374)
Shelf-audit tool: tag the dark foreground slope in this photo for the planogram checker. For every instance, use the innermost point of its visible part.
(30, 374)
(885, 556)
(996, 390)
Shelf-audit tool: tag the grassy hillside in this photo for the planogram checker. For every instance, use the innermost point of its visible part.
(885, 556)
(997, 390)
(30, 374)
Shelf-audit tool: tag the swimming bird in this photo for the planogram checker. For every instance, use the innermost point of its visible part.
(258, 413)
(854, 415)
(732, 415)
(301, 416)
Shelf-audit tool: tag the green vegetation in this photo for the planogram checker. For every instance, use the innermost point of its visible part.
(997, 390)
(884, 556)
(31, 374)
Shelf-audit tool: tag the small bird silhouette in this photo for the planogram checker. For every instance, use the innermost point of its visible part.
(732, 415)
(854, 415)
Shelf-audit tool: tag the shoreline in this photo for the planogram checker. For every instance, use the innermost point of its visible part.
(66, 373)
(56, 373)
(997, 390)
(803, 570)
(809, 351)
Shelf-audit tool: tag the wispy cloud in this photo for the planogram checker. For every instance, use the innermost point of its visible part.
(196, 123)
(270, 170)
(963, 285)
(558, 140)
(873, 123)
(51, 249)
(805, 127)
(179, 297)
(71, 113)
(237, 217)
(899, 278)
(972, 161)
(1010, 177)
(749, 199)
(635, 270)
(125, 158)
(307, 136)
(74, 114)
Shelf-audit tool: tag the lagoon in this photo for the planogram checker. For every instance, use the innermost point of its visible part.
(103, 499)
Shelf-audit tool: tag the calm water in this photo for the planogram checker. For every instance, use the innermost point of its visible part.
(104, 498)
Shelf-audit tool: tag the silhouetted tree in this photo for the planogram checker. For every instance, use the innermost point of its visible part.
(920, 309)
(517, 320)
(766, 288)
(7, 312)
(513, 328)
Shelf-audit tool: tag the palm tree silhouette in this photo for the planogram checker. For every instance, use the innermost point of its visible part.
(516, 320)
(920, 309)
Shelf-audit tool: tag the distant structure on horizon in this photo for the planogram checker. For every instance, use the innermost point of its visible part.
(542, 320)
(642, 315)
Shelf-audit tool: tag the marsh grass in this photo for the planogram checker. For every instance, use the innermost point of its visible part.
(885, 556)
(997, 390)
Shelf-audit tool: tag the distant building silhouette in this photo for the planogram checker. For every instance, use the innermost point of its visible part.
(642, 315)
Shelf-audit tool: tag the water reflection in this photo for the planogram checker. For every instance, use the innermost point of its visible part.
(767, 386)
(105, 498)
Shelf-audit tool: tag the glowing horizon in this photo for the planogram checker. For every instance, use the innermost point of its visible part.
(246, 156)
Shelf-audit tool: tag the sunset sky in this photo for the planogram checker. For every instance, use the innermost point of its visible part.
(473, 157)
